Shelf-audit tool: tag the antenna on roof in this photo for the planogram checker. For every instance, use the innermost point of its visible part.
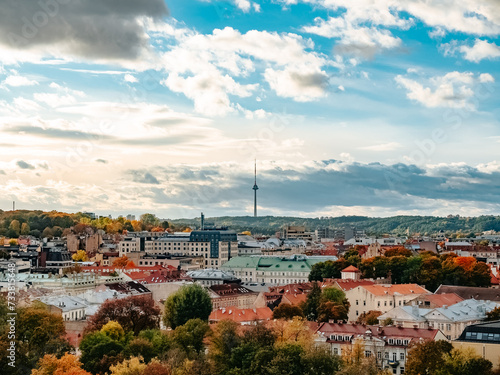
(255, 188)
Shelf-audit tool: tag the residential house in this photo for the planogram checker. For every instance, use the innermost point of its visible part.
(387, 345)
(451, 320)
(380, 297)
(483, 339)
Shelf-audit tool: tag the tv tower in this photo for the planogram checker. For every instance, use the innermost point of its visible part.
(255, 188)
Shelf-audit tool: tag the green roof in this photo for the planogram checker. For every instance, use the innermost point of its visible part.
(268, 263)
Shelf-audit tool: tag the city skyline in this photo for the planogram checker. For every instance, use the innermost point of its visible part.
(372, 108)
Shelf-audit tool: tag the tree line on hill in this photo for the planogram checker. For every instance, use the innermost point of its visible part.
(427, 269)
(52, 224)
(123, 338)
(396, 225)
(39, 224)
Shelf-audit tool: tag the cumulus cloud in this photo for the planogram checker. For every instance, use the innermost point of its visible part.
(209, 68)
(105, 30)
(354, 39)
(476, 17)
(480, 50)
(453, 90)
(17, 81)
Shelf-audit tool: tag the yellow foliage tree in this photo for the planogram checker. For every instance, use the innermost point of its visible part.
(80, 256)
(132, 366)
(295, 330)
(113, 330)
(68, 364)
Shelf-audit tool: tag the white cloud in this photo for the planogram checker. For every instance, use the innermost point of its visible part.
(480, 50)
(476, 17)
(208, 68)
(454, 90)
(300, 85)
(353, 38)
(17, 81)
(130, 78)
(383, 147)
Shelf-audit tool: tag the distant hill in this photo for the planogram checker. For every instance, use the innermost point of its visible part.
(397, 225)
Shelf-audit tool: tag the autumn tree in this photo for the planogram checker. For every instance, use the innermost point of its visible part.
(493, 314)
(427, 357)
(121, 262)
(333, 305)
(25, 229)
(397, 251)
(14, 229)
(80, 256)
(132, 366)
(287, 311)
(149, 221)
(134, 314)
(68, 364)
(224, 339)
(370, 317)
(190, 302)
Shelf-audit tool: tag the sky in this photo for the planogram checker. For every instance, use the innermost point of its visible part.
(350, 107)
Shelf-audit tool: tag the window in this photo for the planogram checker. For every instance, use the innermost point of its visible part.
(448, 327)
(364, 303)
(368, 353)
(335, 351)
(394, 356)
(379, 355)
(356, 302)
(385, 303)
(402, 356)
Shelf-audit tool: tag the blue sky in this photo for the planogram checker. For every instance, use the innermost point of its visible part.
(365, 107)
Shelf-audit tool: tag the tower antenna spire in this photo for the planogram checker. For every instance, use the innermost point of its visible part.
(255, 188)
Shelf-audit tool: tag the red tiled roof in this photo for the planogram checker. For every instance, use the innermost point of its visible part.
(381, 289)
(389, 332)
(241, 315)
(295, 299)
(439, 300)
(351, 269)
(348, 284)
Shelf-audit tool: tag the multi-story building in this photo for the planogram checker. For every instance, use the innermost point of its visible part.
(296, 232)
(483, 339)
(451, 320)
(274, 269)
(380, 297)
(387, 345)
(227, 295)
(215, 245)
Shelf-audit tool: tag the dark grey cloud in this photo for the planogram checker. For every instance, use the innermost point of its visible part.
(310, 79)
(328, 183)
(144, 177)
(55, 133)
(23, 165)
(106, 29)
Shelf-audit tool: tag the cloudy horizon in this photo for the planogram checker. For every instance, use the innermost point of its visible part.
(375, 108)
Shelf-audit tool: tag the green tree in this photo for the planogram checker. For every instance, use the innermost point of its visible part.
(312, 302)
(189, 336)
(189, 302)
(149, 221)
(333, 305)
(100, 351)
